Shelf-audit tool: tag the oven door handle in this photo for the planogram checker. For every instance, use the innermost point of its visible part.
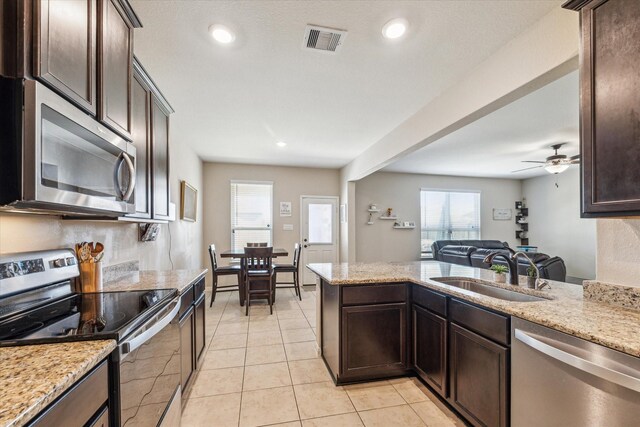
(135, 342)
(132, 176)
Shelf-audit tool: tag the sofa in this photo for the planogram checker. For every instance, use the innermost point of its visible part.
(473, 252)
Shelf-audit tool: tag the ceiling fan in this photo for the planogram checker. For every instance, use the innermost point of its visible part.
(555, 164)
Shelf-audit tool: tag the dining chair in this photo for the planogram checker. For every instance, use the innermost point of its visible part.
(257, 271)
(217, 271)
(257, 244)
(293, 268)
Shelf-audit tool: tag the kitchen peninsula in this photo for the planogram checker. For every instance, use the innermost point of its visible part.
(381, 320)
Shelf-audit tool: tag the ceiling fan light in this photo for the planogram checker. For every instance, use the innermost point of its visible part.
(555, 169)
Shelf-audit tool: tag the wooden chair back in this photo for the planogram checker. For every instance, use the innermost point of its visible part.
(258, 259)
(297, 249)
(212, 254)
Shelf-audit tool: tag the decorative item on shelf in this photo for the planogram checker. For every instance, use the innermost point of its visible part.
(527, 248)
(407, 225)
(499, 273)
(389, 215)
(370, 221)
(188, 202)
(148, 232)
(389, 212)
(90, 264)
(373, 208)
(521, 220)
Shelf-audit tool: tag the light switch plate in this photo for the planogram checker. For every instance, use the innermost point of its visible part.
(287, 227)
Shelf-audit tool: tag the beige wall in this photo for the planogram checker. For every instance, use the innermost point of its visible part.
(27, 232)
(555, 225)
(289, 183)
(618, 253)
(381, 242)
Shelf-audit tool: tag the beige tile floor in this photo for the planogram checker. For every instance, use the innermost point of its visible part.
(263, 370)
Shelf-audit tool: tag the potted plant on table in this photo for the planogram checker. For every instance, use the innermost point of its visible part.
(499, 273)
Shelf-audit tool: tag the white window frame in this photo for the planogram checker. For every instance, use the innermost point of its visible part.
(429, 254)
(270, 228)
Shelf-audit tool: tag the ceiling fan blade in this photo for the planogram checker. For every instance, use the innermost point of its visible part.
(575, 159)
(526, 169)
(532, 161)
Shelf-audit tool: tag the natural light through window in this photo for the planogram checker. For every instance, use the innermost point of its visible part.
(448, 215)
(251, 213)
(320, 227)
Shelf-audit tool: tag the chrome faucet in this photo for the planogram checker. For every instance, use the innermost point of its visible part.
(539, 283)
(512, 261)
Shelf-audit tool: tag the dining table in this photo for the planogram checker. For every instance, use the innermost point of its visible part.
(239, 253)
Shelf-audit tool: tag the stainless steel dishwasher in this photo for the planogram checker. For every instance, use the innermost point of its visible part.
(560, 380)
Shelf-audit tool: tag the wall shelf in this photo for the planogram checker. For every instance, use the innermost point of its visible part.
(373, 210)
(394, 217)
(401, 227)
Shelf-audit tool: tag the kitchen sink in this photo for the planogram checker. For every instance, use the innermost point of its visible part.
(488, 290)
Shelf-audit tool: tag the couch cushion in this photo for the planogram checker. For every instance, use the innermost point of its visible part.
(477, 257)
(456, 254)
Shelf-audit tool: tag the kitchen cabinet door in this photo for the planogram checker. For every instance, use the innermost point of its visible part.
(64, 49)
(186, 349)
(478, 378)
(160, 159)
(141, 137)
(200, 330)
(374, 341)
(116, 68)
(430, 348)
(609, 106)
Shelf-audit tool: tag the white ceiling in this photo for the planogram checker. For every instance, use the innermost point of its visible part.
(496, 144)
(233, 103)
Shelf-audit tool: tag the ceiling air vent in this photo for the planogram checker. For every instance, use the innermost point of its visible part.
(323, 39)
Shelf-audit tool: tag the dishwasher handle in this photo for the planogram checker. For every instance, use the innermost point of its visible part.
(579, 363)
(135, 342)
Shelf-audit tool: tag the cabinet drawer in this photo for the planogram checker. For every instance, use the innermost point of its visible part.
(430, 300)
(186, 301)
(198, 290)
(78, 405)
(374, 294)
(491, 325)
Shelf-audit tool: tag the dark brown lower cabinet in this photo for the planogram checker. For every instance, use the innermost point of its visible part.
(430, 348)
(83, 403)
(478, 378)
(186, 347)
(200, 331)
(374, 340)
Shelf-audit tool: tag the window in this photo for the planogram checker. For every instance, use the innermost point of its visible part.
(251, 213)
(448, 215)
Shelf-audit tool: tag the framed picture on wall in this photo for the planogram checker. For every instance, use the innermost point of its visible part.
(188, 202)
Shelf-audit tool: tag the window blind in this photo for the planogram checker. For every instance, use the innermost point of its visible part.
(251, 213)
(448, 215)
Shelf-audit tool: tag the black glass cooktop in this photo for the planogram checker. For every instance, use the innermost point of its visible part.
(84, 316)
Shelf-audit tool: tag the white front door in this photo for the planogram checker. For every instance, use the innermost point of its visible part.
(319, 233)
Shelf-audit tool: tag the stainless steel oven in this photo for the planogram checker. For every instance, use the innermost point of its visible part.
(58, 158)
(149, 372)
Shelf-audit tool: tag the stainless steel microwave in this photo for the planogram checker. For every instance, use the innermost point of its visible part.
(57, 158)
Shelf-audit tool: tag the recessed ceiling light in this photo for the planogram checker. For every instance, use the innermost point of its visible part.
(222, 34)
(281, 144)
(395, 28)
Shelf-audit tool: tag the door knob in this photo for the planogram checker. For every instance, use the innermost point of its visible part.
(305, 246)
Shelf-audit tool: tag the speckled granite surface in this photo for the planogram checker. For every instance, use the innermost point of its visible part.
(624, 296)
(148, 280)
(33, 376)
(567, 311)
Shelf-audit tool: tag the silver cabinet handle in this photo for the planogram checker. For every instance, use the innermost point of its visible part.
(583, 365)
(123, 157)
(132, 344)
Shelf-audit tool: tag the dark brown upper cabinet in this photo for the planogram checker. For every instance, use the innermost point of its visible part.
(160, 159)
(64, 49)
(141, 138)
(609, 106)
(116, 67)
(150, 135)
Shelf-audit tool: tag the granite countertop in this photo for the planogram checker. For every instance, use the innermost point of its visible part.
(152, 279)
(33, 376)
(566, 310)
